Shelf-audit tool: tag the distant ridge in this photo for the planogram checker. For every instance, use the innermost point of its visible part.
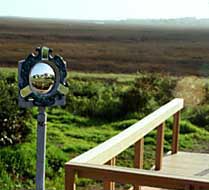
(175, 22)
(188, 21)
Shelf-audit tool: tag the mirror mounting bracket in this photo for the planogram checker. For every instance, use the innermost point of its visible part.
(27, 96)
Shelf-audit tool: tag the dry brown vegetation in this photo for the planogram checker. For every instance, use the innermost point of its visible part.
(108, 48)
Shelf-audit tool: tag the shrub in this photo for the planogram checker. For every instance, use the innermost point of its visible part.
(93, 99)
(55, 160)
(13, 128)
(19, 160)
(108, 100)
(123, 124)
(135, 100)
(199, 116)
(147, 93)
(187, 127)
(6, 182)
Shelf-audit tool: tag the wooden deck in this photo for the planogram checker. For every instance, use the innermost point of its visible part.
(178, 170)
(148, 188)
(185, 164)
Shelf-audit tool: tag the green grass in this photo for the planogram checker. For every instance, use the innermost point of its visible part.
(104, 76)
(70, 134)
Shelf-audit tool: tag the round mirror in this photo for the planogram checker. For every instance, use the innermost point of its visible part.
(42, 78)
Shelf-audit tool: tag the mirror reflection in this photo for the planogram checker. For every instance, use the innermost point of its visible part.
(42, 78)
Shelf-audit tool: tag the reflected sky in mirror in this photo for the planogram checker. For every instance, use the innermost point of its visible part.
(41, 68)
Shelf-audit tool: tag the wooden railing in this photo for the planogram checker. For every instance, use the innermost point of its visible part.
(99, 162)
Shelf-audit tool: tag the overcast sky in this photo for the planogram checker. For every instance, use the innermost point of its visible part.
(105, 9)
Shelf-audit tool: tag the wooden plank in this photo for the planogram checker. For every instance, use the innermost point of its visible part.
(117, 144)
(192, 187)
(175, 136)
(187, 187)
(139, 154)
(179, 171)
(69, 178)
(197, 187)
(137, 176)
(146, 188)
(187, 164)
(109, 185)
(159, 147)
(188, 158)
(138, 157)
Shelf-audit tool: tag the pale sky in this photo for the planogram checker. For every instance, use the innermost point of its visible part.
(105, 9)
(41, 68)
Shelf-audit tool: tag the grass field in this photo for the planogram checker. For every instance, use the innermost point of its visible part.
(108, 48)
(70, 134)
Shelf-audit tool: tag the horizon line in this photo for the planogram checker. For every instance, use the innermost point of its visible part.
(122, 19)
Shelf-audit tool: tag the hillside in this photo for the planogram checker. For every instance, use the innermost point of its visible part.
(118, 47)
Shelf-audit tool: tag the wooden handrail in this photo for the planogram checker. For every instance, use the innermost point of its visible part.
(117, 144)
(137, 176)
(90, 164)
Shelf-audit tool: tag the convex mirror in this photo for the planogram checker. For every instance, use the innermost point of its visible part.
(42, 78)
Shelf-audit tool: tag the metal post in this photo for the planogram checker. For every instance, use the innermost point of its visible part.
(44, 94)
(41, 149)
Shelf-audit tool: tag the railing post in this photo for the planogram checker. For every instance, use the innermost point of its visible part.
(187, 187)
(159, 148)
(69, 178)
(176, 129)
(138, 157)
(192, 187)
(109, 185)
